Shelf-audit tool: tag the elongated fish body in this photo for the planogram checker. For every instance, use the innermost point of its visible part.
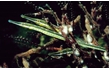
(84, 45)
(37, 21)
(38, 28)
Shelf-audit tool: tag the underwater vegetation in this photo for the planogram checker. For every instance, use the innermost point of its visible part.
(76, 36)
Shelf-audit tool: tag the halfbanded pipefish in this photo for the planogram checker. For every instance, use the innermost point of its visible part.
(39, 22)
(54, 34)
(38, 28)
(85, 45)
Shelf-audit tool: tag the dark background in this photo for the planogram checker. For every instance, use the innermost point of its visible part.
(13, 9)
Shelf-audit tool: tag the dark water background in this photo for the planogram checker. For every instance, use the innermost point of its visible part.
(13, 10)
